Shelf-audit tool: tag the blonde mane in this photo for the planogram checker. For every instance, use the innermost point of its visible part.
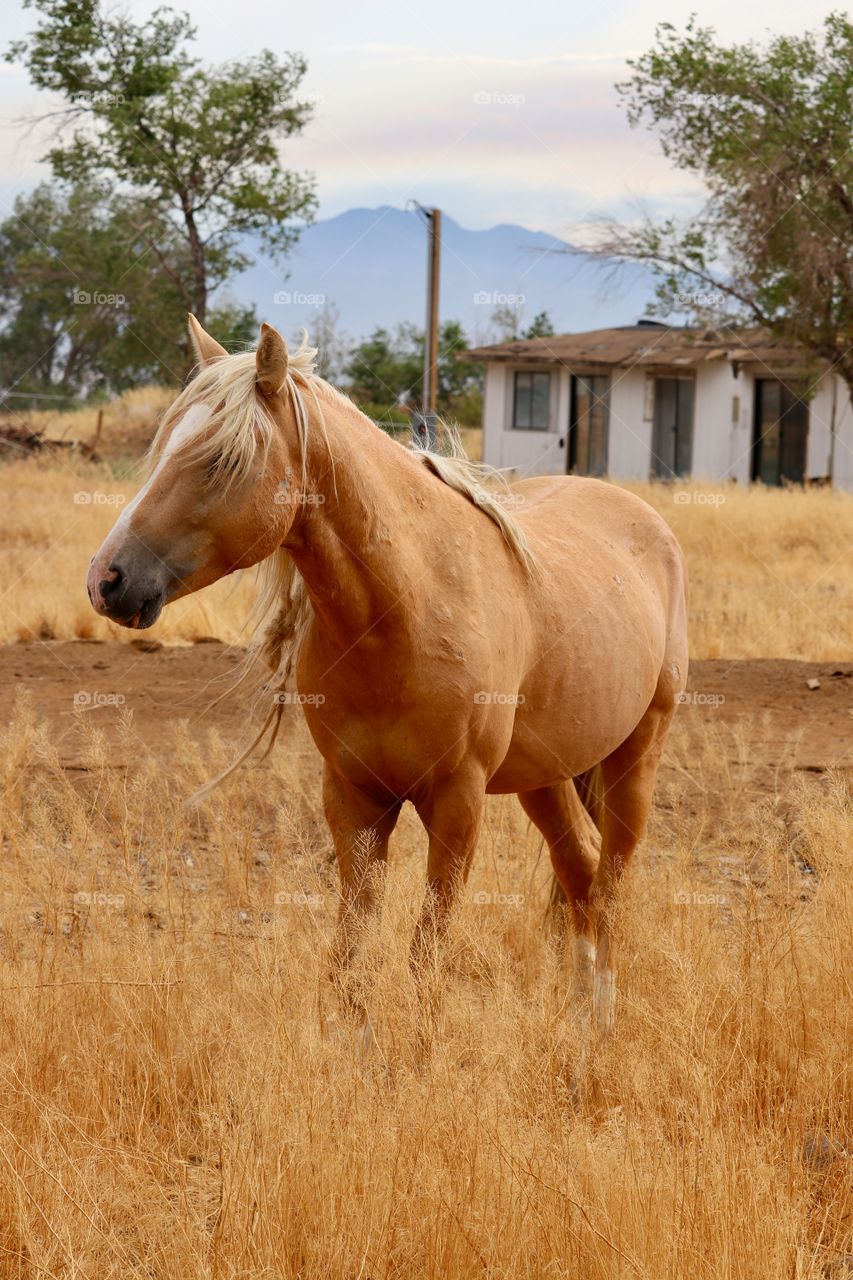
(239, 430)
(240, 426)
(455, 468)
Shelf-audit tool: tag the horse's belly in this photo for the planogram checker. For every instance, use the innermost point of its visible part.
(575, 721)
(540, 759)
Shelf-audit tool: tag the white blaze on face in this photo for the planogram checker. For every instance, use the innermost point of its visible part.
(191, 424)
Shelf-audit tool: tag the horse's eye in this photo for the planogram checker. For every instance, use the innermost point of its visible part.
(218, 467)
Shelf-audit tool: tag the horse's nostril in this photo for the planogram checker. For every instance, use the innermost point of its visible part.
(109, 586)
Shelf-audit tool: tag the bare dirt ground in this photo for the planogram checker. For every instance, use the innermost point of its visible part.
(774, 723)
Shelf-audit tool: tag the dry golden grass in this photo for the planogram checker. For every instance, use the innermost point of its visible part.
(127, 424)
(180, 1100)
(53, 517)
(771, 571)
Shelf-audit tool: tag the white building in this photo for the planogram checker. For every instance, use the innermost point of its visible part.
(649, 400)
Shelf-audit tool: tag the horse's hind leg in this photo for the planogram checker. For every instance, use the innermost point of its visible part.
(573, 842)
(361, 827)
(628, 776)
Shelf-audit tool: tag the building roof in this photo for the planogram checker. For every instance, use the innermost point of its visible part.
(648, 344)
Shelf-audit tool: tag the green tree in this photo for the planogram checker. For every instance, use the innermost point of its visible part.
(540, 327)
(768, 130)
(81, 311)
(456, 377)
(198, 148)
(388, 366)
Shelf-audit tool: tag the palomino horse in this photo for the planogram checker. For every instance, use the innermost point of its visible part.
(456, 642)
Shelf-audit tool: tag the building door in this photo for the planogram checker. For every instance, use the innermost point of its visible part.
(672, 443)
(588, 427)
(780, 435)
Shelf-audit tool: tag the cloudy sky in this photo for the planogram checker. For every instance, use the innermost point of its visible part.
(497, 112)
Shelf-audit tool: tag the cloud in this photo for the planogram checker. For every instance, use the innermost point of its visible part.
(500, 115)
(538, 141)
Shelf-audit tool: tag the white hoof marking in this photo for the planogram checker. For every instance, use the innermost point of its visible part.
(605, 1000)
(584, 967)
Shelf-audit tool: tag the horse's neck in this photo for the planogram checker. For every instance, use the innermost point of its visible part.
(359, 538)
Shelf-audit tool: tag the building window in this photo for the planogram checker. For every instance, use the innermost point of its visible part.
(531, 402)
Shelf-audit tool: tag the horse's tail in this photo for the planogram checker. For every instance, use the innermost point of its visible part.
(590, 787)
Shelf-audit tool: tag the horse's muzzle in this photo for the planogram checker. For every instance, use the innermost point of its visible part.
(126, 595)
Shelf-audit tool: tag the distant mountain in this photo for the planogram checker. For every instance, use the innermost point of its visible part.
(372, 264)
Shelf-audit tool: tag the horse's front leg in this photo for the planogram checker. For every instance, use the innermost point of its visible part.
(452, 815)
(361, 826)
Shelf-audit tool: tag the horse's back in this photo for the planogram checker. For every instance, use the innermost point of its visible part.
(579, 525)
(581, 500)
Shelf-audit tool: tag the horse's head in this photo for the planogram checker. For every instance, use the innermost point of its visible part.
(224, 486)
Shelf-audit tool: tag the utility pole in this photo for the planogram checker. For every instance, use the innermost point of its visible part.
(424, 424)
(431, 335)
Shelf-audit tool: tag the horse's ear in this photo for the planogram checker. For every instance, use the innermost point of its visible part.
(271, 360)
(205, 347)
